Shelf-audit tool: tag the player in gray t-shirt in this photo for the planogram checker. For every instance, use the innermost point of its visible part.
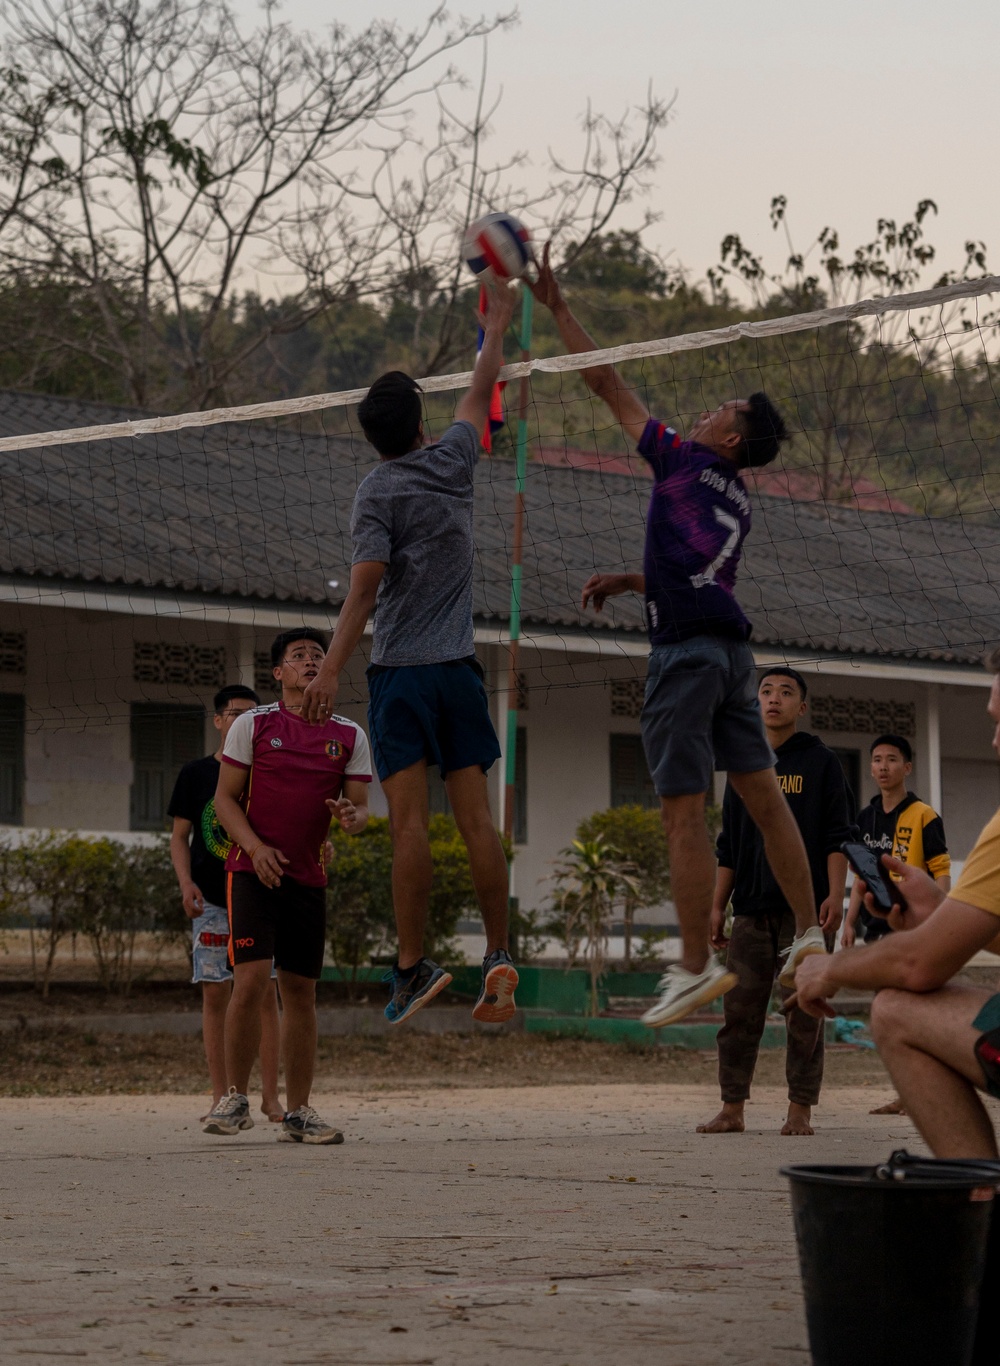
(412, 563)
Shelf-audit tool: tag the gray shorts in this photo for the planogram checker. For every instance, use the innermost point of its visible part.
(701, 713)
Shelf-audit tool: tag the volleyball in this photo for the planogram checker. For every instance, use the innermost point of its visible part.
(498, 242)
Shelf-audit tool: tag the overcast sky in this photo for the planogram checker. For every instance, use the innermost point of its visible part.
(852, 108)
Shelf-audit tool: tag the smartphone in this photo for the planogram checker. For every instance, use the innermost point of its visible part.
(866, 865)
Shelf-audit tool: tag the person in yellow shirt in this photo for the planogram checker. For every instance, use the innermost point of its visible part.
(940, 1040)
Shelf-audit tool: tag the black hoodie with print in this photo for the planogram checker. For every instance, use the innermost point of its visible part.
(810, 775)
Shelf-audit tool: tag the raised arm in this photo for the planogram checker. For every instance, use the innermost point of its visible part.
(602, 380)
(320, 695)
(474, 405)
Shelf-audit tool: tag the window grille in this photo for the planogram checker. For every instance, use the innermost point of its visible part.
(193, 666)
(626, 696)
(13, 652)
(863, 715)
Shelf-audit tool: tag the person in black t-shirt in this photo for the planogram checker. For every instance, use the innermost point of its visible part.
(198, 849)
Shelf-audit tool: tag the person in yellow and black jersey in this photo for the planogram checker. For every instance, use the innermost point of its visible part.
(898, 823)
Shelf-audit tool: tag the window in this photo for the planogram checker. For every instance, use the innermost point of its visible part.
(631, 784)
(850, 762)
(163, 739)
(11, 758)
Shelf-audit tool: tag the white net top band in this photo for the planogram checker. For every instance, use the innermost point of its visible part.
(664, 346)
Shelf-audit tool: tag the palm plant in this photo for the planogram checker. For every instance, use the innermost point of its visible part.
(589, 878)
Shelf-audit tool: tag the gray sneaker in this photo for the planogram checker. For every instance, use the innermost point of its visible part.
(230, 1116)
(305, 1126)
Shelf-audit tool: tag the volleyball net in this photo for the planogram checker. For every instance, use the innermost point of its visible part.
(146, 561)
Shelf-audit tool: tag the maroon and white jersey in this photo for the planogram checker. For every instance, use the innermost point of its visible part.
(294, 767)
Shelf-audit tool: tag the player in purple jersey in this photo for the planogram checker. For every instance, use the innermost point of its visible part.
(700, 710)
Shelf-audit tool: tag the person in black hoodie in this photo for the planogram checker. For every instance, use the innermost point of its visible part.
(813, 782)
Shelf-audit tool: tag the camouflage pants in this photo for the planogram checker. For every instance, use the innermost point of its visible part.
(756, 942)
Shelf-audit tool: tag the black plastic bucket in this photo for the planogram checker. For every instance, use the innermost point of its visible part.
(893, 1258)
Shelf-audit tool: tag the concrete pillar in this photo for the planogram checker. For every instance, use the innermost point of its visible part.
(930, 758)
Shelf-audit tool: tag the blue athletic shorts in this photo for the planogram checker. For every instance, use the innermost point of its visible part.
(701, 713)
(437, 712)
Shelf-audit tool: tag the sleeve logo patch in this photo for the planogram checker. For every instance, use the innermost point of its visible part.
(276, 743)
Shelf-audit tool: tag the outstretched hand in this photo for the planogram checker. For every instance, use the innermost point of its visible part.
(501, 301)
(345, 813)
(600, 587)
(546, 288)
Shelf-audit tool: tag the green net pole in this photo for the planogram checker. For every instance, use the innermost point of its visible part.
(514, 633)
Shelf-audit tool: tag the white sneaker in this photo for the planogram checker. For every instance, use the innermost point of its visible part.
(230, 1116)
(810, 942)
(682, 991)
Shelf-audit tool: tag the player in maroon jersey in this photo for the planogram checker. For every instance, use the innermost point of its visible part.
(281, 783)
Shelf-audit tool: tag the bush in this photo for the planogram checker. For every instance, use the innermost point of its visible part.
(103, 889)
(361, 924)
(636, 833)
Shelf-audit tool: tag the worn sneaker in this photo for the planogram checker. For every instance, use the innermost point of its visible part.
(682, 991)
(411, 992)
(496, 995)
(230, 1116)
(305, 1126)
(810, 942)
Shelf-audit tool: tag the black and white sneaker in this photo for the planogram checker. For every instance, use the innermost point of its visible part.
(230, 1116)
(305, 1126)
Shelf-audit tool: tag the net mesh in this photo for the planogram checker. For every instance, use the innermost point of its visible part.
(146, 561)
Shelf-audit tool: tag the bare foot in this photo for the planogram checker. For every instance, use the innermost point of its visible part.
(798, 1121)
(272, 1107)
(729, 1120)
(894, 1107)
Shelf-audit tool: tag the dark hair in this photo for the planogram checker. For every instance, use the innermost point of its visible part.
(281, 643)
(391, 412)
(763, 431)
(783, 671)
(897, 742)
(230, 693)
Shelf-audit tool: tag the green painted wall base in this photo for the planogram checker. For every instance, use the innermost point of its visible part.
(699, 1034)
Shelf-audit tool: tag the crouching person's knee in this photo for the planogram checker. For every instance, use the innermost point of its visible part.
(890, 1012)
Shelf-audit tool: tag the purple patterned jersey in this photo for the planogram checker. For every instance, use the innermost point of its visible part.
(699, 515)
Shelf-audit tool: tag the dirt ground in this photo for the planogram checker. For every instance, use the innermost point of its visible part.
(579, 1225)
(66, 1062)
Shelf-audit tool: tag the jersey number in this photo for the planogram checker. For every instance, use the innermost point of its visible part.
(707, 575)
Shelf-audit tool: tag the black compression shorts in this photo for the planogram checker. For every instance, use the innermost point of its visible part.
(286, 923)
